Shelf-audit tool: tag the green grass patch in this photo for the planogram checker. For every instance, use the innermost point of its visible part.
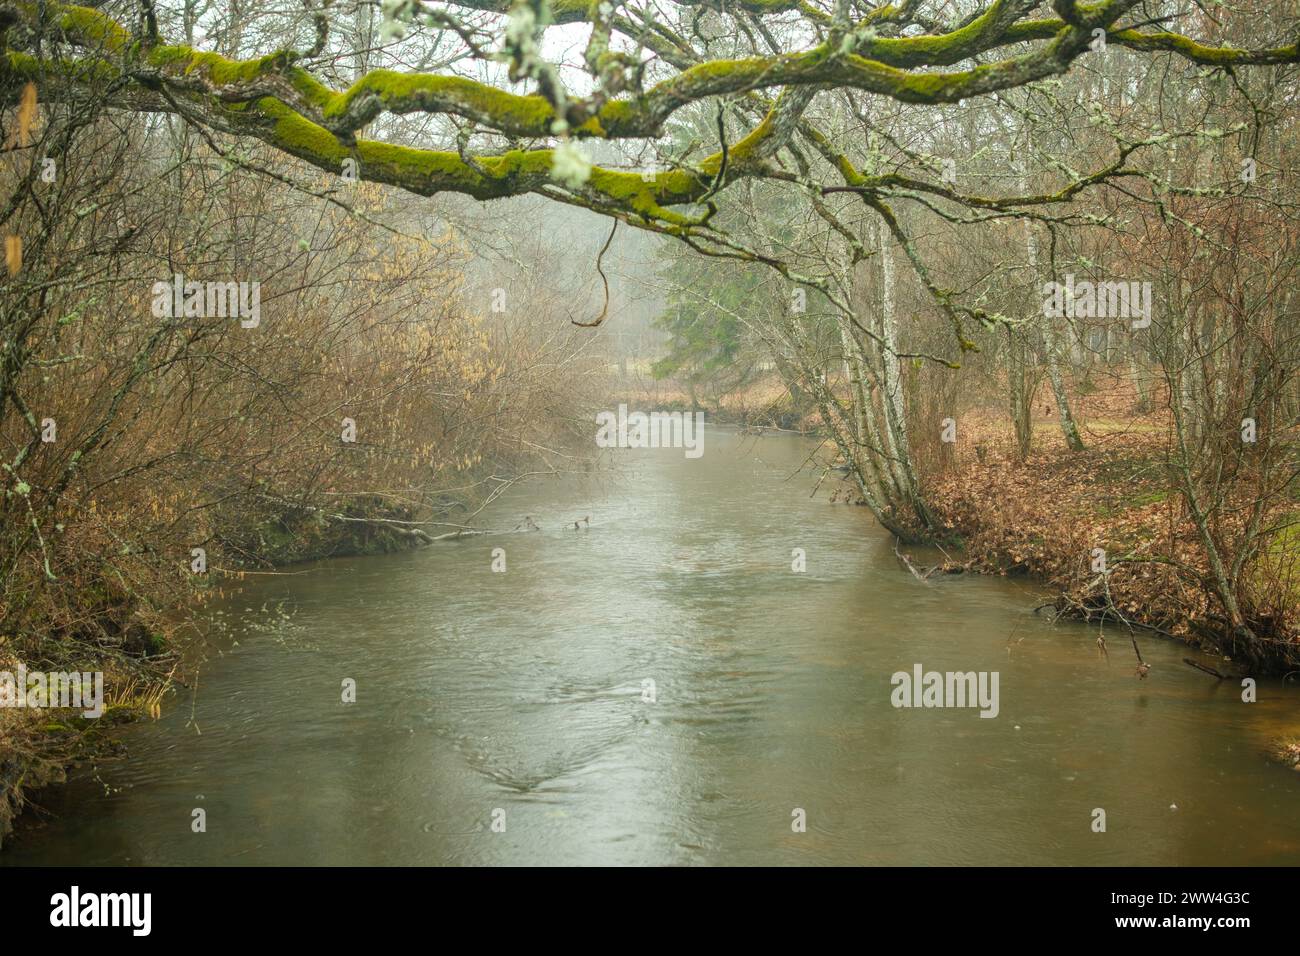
(1281, 557)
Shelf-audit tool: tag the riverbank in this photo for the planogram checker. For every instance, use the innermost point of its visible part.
(1103, 527)
(762, 404)
(150, 617)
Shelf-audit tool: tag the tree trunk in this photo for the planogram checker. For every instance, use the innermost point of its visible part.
(1051, 355)
(891, 398)
(1018, 394)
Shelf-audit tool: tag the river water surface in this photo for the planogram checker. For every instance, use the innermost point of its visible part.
(520, 697)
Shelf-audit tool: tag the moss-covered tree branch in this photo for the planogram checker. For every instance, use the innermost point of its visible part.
(279, 100)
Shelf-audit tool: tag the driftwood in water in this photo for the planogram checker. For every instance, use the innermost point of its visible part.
(453, 535)
(946, 568)
(1201, 667)
(907, 562)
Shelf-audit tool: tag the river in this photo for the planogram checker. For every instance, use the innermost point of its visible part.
(522, 698)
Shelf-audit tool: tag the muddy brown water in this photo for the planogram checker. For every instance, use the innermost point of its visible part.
(521, 697)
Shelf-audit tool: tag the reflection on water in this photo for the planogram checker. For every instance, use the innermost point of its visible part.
(523, 692)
